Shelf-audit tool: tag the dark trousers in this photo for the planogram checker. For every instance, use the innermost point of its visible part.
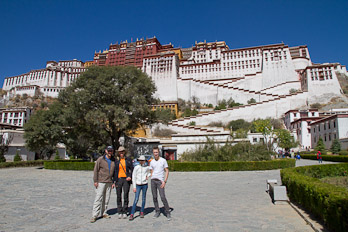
(156, 185)
(124, 185)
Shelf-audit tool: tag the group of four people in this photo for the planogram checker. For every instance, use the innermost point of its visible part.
(118, 172)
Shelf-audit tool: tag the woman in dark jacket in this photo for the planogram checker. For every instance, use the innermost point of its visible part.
(123, 180)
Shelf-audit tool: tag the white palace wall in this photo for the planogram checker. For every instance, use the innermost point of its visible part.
(283, 88)
(321, 82)
(163, 69)
(212, 73)
(252, 82)
(50, 81)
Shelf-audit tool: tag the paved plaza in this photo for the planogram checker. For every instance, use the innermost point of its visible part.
(33, 199)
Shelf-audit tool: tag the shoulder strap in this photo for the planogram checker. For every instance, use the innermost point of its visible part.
(123, 167)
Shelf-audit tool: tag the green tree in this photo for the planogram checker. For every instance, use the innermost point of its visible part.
(195, 103)
(105, 103)
(44, 130)
(264, 127)
(276, 123)
(336, 146)
(164, 115)
(241, 133)
(188, 112)
(57, 157)
(183, 105)
(320, 145)
(17, 157)
(285, 140)
(5, 140)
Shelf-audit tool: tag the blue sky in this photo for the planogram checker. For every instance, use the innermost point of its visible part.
(33, 32)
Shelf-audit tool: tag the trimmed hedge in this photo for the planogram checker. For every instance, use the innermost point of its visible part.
(62, 160)
(326, 201)
(343, 153)
(334, 158)
(66, 165)
(231, 166)
(32, 163)
(189, 166)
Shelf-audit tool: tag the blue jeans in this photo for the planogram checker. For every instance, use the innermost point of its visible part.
(140, 188)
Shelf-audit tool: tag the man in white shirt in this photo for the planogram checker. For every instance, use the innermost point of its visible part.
(159, 177)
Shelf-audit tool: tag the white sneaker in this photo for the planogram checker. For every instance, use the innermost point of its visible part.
(93, 219)
(120, 216)
(124, 216)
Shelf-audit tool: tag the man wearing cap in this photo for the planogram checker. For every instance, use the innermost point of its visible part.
(159, 176)
(103, 182)
(122, 179)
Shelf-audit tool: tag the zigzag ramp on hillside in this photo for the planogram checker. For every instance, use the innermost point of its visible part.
(274, 108)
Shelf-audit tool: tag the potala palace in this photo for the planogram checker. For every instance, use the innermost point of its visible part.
(280, 78)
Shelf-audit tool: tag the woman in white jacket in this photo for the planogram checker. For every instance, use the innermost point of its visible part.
(141, 174)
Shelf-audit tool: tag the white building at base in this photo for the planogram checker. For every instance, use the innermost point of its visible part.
(15, 116)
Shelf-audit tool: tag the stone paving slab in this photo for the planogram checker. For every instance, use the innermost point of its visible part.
(33, 199)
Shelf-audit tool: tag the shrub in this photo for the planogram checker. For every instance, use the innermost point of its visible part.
(2, 158)
(251, 100)
(239, 124)
(223, 104)
(192, 123)
(292, 91)
(17, 157)
(343, 152)
(217, 124)
(328, 202)
(316, 106)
